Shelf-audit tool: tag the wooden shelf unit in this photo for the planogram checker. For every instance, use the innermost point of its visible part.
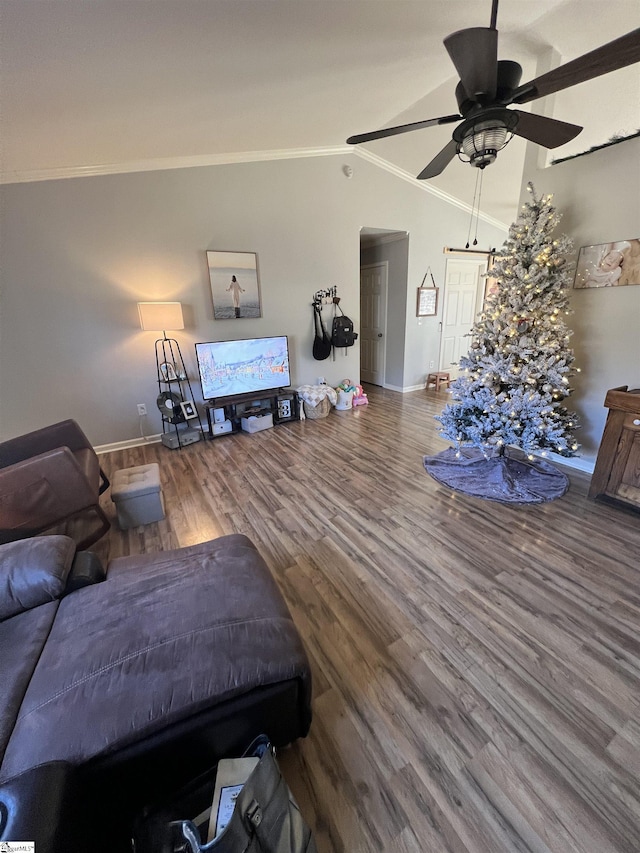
(617, 471)
(283, 404)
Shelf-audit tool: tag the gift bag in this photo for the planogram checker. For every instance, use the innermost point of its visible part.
(265, 819)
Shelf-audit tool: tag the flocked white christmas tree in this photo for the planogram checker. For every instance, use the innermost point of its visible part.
(515, 378)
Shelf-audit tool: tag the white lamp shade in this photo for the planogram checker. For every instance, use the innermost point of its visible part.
(160, 316)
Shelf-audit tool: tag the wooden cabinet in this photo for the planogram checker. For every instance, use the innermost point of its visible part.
(617, 471)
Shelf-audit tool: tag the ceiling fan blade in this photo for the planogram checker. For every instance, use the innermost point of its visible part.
(401, 128)
(440, 161)
(615, 54)
(474, 52)
(548, 132)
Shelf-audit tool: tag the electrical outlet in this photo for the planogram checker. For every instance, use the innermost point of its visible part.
(431, 365)
(142, 409)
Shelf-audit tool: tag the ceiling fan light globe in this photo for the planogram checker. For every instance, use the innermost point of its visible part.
(484, 141)
(490, 138)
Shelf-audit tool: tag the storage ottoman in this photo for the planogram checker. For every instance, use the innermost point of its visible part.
(137, 495)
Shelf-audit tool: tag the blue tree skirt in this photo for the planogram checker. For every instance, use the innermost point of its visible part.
(508, 479)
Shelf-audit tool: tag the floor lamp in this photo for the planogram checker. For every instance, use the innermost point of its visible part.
(170, 368)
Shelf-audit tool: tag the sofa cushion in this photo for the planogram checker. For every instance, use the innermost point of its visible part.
(166, 636)
(33, 571)
(21, 641)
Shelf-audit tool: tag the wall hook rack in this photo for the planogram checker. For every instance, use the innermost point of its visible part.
(325, 297)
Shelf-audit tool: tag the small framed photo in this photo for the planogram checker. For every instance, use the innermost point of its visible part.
(427, 305)
(235, 285)
(168, 371)
(188, 410)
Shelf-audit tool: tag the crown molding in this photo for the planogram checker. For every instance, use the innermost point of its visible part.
(164, 163)
(159, 164)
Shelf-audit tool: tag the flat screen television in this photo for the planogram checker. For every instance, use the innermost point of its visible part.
(230, 368)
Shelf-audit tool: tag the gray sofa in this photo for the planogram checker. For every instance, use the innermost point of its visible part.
(121, 690)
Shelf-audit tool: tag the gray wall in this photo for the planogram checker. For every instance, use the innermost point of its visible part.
(78, 254)
(599, 198)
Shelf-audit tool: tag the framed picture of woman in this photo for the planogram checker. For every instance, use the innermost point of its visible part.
(235, 285)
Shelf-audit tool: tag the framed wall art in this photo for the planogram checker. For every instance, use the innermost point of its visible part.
(235, 285)
(427, 305)
(608, 264)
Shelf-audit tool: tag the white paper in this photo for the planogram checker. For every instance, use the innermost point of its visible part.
(230, 778)
(228, 797)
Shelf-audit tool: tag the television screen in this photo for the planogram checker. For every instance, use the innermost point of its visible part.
(228, 368)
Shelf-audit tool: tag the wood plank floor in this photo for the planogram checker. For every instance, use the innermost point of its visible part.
(476, 665)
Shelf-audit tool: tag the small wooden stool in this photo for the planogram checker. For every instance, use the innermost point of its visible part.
(437, 379)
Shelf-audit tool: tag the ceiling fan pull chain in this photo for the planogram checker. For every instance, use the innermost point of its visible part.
(475, 239)
(473, 206)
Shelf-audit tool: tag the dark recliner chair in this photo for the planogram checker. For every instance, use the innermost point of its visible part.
(119, 691)
(51, 480)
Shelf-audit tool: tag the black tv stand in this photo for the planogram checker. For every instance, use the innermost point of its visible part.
(282, 403)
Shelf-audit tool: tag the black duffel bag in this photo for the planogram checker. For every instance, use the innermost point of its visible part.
(265, 819)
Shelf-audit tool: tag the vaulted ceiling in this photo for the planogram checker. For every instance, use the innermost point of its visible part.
(90, 86)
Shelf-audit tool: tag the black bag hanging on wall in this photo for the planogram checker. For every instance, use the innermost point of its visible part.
(342, 334)
(265, 819)
(322, 341)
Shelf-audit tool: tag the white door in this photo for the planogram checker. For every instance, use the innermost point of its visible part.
(463, 294)
(373, 321)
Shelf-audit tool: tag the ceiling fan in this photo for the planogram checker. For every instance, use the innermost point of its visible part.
(488, 86)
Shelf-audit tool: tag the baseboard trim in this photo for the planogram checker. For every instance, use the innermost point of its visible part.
(128, 443)
(578, 463)
(404, 389)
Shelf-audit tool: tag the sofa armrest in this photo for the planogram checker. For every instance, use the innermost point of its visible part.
(41, 491)
(64, 434)
(38, 805)
(86, 570)
(33, 571)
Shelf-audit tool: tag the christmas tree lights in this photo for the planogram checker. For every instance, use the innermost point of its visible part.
(516, 376)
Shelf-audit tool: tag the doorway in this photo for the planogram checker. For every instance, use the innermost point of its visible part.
(463, 298)
(384, 258)
(374, 281)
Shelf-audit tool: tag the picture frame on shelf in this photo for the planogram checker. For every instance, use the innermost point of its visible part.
(613, 264)
(188, 409)
(235, 285)
(427, 303)
(168, 371)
